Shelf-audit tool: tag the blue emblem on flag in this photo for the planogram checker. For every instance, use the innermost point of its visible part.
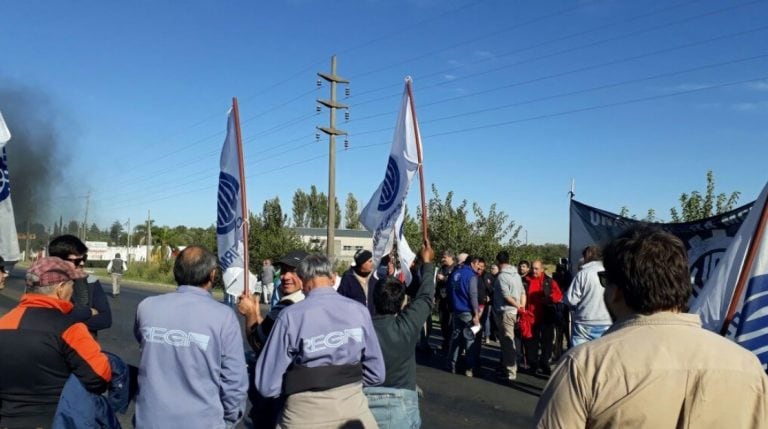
(5, 181)
(390, 187)
(229, 192)
(751, 332)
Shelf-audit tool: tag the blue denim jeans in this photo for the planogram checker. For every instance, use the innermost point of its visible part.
(459, 340)
(581, 333)
(394, 408)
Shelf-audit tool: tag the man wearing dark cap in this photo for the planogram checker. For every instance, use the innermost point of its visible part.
(258, 327)
(265, 411)
(357, 282)
(41, 346)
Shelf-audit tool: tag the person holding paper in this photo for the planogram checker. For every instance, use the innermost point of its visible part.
(462, 293)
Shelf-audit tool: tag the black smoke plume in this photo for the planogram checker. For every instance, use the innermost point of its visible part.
(37, 161)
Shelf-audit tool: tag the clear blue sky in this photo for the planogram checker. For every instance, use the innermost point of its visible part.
(633, 100)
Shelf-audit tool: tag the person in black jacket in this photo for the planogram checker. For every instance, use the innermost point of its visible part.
(91, 306)
(395, 403)
(358, 281)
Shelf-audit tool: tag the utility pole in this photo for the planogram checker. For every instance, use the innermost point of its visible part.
(332, 132)
(26, 251)
(85, 219)
(149, 236)
(128, 243)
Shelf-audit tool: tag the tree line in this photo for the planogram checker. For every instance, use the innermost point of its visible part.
(459, 226)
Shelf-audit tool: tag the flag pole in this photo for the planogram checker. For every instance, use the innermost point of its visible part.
(746, 268)
(408, 81)
(246, 272)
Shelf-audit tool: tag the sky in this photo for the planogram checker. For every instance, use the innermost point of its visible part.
(633, 101)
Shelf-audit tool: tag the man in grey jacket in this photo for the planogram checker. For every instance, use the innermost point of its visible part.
(192, 371)
(585, 297)
(508, 296)
(320, 354)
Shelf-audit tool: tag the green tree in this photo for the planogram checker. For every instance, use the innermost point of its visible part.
(352, 214)
(269, 236)
(272, 214)
(695, 206)
(457, 228)
(115, 232)
(650, 216)
(315, 207)
(624, 212)
(300, 209)
(96, 234)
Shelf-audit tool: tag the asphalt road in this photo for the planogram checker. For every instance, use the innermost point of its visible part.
(450, 401)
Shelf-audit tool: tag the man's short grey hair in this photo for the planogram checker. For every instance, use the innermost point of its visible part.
(315, 266)
(33, 285)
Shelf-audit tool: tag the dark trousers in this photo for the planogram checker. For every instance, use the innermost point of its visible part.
(538, 349)
(562, 336)
(445, 326)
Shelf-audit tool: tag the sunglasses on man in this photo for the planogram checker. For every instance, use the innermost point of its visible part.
(78, 261)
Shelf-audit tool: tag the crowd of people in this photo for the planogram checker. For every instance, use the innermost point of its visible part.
(330, 352)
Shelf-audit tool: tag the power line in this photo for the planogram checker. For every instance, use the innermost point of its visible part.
(600, 106)
(299, 119)
(309, 67)
(577, 70)
(524, 102)
(288, 123)
(541, 44)
(485, 36)
(468, 5)
(486, 126)
(281, 126)
(578, 48)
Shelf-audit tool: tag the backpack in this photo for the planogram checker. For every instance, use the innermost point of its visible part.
(117, 266)
(554, 311)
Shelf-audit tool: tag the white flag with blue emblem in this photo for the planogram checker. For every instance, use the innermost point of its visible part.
(749, 326)
(387, 204)
(404, 252)
(229, 222)
(9, 241)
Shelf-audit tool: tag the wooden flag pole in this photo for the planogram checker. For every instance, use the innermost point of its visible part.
(421, 160)
(745, 269)
(246, 272)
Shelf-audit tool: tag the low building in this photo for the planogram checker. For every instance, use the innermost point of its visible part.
(346, 241)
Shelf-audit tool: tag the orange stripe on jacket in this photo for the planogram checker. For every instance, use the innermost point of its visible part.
(77, 337)
(12, 319)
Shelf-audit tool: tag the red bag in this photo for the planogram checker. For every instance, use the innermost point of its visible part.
(525, 320)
